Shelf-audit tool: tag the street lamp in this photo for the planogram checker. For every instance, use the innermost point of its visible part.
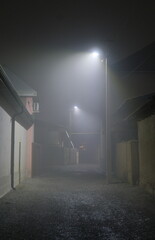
(71, 112)
(107, 118)
(76, 108)
(95, 54)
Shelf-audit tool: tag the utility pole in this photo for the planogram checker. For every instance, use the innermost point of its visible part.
(107, 123)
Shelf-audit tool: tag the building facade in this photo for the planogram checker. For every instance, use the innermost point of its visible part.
(16, 130)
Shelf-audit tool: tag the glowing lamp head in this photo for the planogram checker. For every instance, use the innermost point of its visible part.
(95, 54)
(76, 108)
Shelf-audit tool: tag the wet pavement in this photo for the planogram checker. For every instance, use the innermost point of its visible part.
(70, 204)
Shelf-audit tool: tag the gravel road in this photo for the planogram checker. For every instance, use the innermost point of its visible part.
(76, 205)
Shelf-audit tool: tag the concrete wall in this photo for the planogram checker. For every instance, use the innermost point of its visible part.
(127, 163)
(5, 152)
(121, 161)
(146, 135)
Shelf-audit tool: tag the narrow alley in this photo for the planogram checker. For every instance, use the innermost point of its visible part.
(76, 204)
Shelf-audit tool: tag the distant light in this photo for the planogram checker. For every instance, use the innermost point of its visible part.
(95, 54)
(76, 108)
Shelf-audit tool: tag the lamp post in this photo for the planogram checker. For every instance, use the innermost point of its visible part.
(107, 123)
(104, 61)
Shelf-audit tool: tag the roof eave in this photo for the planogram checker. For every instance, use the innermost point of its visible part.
(11, 102)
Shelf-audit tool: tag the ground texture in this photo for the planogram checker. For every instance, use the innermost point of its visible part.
(71, 205)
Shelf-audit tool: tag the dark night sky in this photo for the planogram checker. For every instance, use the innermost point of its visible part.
(37, 36)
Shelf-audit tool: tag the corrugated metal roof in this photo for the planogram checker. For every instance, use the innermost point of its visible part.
(142, 60)
(11, 102)
(138, 108)
(21, 87)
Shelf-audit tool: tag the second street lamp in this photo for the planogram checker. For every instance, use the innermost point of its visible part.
(71, 115)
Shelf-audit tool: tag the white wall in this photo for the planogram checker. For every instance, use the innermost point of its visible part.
(20, 153)
(5, 152)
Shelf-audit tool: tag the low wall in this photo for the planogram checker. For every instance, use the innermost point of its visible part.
(71, 156)
(146, 135)
(127, 163)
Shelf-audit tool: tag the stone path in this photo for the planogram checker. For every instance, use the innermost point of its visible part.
(74, 204)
